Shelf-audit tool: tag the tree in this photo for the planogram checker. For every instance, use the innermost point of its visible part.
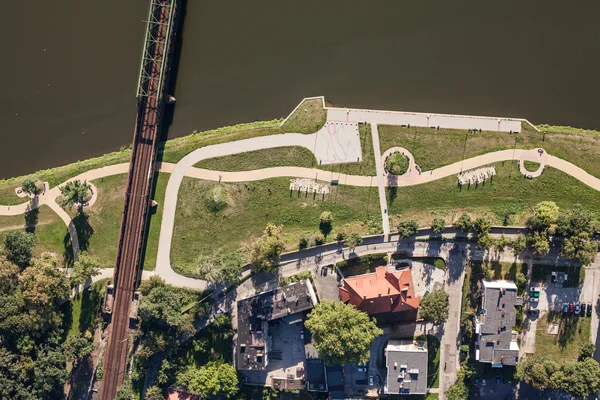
(84, 269)
(19, 247)
(408, 228)
(265, 252)
(581, 247)
(576, 221)
(9, 276)
(302, 242)
(225, 268)
(342, 334)
(210, 379)
(29, 185)
(435, 307)
(325, 222)
(546, 212)
(579, 378)
(353, 241)
(587, 351)
(482, 225)
(124, 392)
(44, 283)
(74, 192)
(501, 243)
(77, 347)
(148, 284)
(519, 244)
(458, 391)
(538, 371)
(161, 310)
(521, 281)
(437, 225)
(539, 244)
(463, 223)
(485, 241)
(154, 393)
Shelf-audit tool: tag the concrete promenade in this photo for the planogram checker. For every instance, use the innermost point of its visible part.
(380, 181)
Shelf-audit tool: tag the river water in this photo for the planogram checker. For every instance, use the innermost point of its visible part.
(70, 67)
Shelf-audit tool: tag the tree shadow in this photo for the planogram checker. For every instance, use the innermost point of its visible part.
(31, 220)
(68, 250)
(84, 229)
(325, 228)
(67, 321)
(80, 379)
(392, 181)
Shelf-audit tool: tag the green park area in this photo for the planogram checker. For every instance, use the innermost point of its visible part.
(244, 209)
(434, 148)
(573, 333)
(51, 231)
(508, 194)
(308, 117)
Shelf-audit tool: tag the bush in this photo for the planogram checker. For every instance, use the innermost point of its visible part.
(408, 228)
(463, 223)
(437, 225)
(397, 163)
(302, 242)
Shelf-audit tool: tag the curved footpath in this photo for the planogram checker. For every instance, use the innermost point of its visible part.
(185, 167)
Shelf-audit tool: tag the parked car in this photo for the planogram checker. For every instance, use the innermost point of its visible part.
(483, 382)
(301, 335)
(371, 380)
(378, 379)
(361, 369)
(571, 308)
(497, 379)
(589, 310)
(583, 309)
(565, 307)
(534, 294)
(577, 309)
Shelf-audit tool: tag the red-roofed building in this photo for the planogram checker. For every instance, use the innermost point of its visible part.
(386, 294)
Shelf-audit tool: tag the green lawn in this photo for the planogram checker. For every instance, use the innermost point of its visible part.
(155, 221)
(251, 205)
(574, 332)
(309, 117)
(516, 196)
(362, 265)
(433, 361)
(81, 312)
(50, 230)
(531, 166)
(293, 156)
(432, 148)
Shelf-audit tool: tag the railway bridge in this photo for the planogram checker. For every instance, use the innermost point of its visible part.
(151, 100)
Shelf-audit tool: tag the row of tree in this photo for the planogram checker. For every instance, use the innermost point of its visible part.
(579, 378)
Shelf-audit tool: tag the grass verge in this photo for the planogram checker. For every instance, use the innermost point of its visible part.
(81, 312)
(542, 272)
(153, 235)
(308, 117)
(362, 265)
(294, 156)
(50, 230)
(251, 205)
(573, 333)
(505, 195)
(433, 149)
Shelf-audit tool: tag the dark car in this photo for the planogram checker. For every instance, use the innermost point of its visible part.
(577, 309)
(589, 309)
(497, 379)
(571, 308)
(566, 307)
(582, 310)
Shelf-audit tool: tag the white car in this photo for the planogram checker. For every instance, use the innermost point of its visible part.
(371, 380)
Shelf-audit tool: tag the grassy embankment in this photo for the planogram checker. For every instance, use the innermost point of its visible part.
(433, 149)
(170, 151)
(251, 205)
(505, 194)
(308, 117)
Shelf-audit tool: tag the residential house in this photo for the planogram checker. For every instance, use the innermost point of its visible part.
(406, 362)
(386, 294)
(496, 341)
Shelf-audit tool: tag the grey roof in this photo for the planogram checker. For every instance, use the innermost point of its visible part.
(315, 375)
(254, 313)
(406, 367)
(496, 321)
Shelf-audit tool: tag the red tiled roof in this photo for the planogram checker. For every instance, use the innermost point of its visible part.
(175, 394)
(384, 291)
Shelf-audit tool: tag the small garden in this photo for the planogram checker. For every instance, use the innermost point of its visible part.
(397, 163)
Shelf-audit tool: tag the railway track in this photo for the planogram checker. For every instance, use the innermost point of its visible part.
(151, 101)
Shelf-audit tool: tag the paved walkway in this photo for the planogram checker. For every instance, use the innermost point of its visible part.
(380, 181)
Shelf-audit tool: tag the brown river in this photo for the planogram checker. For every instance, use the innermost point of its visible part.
(70, 67)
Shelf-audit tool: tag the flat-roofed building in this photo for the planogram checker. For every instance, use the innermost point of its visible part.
(406, 362)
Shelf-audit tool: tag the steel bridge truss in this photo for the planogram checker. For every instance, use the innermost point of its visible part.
(156, 44)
